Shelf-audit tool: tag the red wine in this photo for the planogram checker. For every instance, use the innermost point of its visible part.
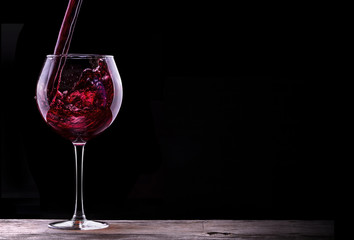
(83, 111)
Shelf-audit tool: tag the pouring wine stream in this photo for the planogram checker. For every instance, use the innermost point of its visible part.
(67, 27)
(63, 44)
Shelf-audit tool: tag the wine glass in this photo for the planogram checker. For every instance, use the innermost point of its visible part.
(79, 96)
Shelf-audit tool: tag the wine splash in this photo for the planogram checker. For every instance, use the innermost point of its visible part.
(84, 111)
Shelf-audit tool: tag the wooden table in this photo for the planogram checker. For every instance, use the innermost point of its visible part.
(172, 229)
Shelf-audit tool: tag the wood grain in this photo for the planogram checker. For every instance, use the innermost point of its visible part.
(35, 229)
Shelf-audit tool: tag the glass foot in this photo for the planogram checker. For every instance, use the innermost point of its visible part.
(78, 225)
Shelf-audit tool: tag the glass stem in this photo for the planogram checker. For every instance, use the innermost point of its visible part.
(79, 214)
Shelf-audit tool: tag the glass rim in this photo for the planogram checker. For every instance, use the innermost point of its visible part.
(79, 56)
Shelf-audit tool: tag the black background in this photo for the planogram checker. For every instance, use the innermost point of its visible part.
(219, 116)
